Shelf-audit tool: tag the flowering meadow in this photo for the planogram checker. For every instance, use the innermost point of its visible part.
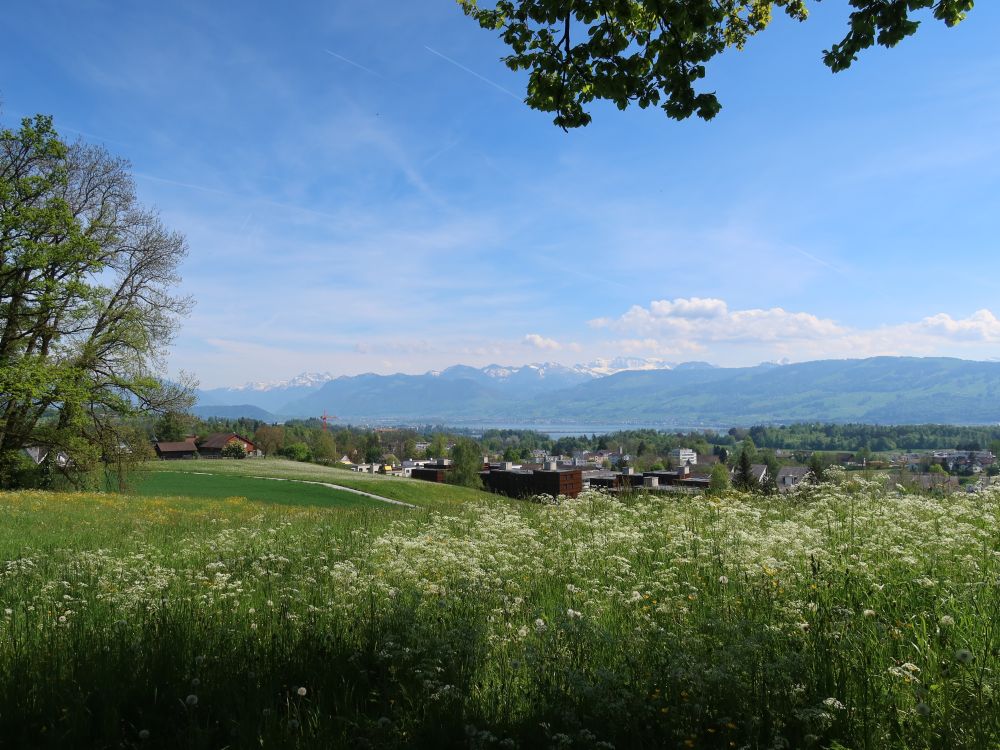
(843, 616)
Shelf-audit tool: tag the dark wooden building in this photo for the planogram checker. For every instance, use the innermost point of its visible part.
(528, 482)
(171, 451)
(430, 473)
(650, 480)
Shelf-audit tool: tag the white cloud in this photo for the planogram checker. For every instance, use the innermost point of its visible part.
(739, 337)
(648, 346)
(982, 325)
(695, 307)
(538, 341)
(711, 320)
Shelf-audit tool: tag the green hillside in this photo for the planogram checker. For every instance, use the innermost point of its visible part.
(411, 491)
(188, 484)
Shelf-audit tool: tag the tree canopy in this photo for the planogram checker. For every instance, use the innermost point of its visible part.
(654, 52)
(466, 463)
(86, 299)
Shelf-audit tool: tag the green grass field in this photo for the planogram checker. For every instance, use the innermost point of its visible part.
(187, 484)
(415, 492)
(842, 616)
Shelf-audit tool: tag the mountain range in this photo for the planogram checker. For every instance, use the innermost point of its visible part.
(899, 390)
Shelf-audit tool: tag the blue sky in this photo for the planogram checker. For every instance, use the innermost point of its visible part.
(363, 191)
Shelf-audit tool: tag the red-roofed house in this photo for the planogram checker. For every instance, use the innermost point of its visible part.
(213, 445)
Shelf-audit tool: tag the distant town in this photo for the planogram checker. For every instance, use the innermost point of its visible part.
(523, 463)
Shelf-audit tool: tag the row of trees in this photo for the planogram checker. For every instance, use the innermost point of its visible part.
(871, 438)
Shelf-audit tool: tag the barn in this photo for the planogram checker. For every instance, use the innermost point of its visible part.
(214, 444)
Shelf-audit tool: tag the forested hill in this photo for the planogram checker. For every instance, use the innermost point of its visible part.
(885, 390)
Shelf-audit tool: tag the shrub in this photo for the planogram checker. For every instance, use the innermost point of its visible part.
(234, 450)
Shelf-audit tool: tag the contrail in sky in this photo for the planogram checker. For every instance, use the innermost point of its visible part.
(351, 62)
(817, 260)
(459, 65)
(441, 152)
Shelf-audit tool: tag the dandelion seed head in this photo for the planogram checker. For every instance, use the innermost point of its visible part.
(963, 656)
(301, 692)
(143, 734)
(946, 621)
(191, 700)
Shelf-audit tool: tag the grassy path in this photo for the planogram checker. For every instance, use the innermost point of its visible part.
(329, 485)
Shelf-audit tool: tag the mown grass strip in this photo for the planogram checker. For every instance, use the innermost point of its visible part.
(201, 485)
(415, 492)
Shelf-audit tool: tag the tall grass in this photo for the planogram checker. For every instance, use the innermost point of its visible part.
(845, 614)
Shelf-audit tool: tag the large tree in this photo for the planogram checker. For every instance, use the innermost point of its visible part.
(86, 299)
(654, 52)
(466, 463)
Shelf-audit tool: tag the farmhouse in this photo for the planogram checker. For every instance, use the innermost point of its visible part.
(214, 444)
(172, 451)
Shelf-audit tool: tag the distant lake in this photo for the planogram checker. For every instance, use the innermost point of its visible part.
(556, 431)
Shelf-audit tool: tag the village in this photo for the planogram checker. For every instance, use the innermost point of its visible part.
(689, 472)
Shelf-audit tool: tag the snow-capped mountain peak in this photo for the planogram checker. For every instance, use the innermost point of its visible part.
(302, 380)
(602, 367)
